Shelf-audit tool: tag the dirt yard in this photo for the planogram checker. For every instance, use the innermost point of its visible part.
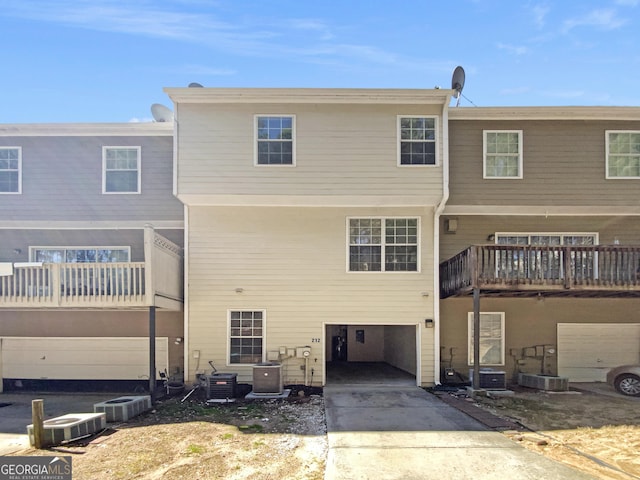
(598, 434)
(263, 439)
(286, 439)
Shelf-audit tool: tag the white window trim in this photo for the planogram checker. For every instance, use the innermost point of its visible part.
(520, 175)
(104, 169)
(255, 140)
(8, 147)
(399, 141)
(383, 218)
(32, 249)
(606, 166)
(470, 322)
(228, 335)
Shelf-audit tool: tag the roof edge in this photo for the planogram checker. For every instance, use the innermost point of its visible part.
(86, 129)
(545, 113)
(309, 95)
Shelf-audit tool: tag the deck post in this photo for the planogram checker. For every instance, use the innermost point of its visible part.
(37, 418)
(476, 338)
(152, 352)
(568, 276)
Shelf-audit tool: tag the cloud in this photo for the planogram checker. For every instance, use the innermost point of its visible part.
(539, 14)
(140, 120)
(311, 25)
(115, 17)
(515, 49)
(309, 39)
(601, 19)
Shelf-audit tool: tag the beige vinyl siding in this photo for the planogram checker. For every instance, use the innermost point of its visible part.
(292, 263)
(341, 150)
(564, 163)
(474, 230)
(528, 322)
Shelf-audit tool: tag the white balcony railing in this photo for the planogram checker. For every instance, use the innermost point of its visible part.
(75, 285)
(155, 282)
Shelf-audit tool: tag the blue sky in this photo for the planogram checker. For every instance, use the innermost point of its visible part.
(108, 60)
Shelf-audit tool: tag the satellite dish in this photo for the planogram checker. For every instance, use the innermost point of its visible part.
(457, 82)
(195, 85)
(161, 113)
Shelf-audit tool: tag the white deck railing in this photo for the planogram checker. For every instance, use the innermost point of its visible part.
(155, 282)
(75, 285)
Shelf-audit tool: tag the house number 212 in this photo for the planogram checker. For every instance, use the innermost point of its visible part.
(315, 340)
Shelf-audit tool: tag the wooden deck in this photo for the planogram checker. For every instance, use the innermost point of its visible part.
(541, 270)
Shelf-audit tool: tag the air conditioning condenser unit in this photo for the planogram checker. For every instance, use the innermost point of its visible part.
(490, 380)
(267, 378)
(221, 385)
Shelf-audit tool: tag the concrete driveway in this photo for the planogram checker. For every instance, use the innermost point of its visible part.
(16, 414)
(403, 432)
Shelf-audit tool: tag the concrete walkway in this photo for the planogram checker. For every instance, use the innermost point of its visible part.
(403, 432)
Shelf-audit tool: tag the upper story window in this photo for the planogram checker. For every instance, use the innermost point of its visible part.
(417, 140)
(80, 254)
(623, 154)
(383, 244)
(121, 169)
(275, 140)
(502, 154)
(10, 170)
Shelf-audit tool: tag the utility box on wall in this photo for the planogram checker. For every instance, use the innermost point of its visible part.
(303, 352)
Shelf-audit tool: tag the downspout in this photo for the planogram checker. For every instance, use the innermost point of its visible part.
(185, 295)
(436, 238)
(185, 250)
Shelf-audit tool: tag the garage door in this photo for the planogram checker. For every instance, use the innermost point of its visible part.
(57, 358)
(586, 351)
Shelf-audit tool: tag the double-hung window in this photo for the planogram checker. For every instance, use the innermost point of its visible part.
(491, 338)
(275, 140)
(417, 140)
(502, 154)
(541, 258)
(383, 244)
(246, 336)
(121, 169)
(623, 154)
(10, 170)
